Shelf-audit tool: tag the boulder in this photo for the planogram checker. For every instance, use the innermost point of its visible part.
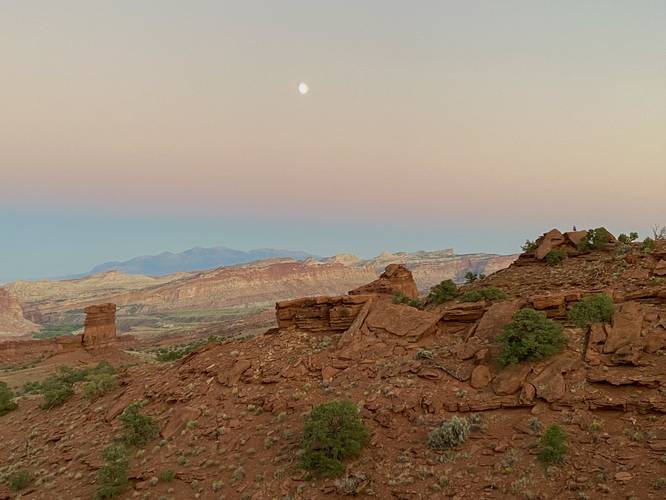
(626, 330)
(510, 380)
(395, 279)
(496, 317)
(548, 242)
(573, 238)
(660, 268)
(480, 377)
(400, 321)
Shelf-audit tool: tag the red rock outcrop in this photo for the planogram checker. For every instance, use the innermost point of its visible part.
(320, 314)
(100, 325)
(366, 315)
(395, 279)
(556, 240)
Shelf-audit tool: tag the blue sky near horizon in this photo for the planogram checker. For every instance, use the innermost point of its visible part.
(131, 127)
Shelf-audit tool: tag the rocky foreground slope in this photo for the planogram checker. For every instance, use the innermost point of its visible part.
(231, 414)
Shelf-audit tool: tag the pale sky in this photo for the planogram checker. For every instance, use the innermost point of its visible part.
(130, 127)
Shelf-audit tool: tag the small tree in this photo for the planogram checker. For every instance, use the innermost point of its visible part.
(595, 239)
(593, 309)
(623, 238)
(471, 277)
(6, 396)
(529, 336)
(553, 445)
(528, 246)
(332, 432)
(138, 429)
(446, 290)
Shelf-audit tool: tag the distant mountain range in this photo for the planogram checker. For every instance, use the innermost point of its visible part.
(194, 259)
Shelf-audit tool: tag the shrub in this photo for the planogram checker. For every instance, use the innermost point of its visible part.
(52, 331)
(112, 477)
(173, 353)
(595, 239)
(553, 445)
(70, 376)
(55, 392)
(529, 336)
(490, 293)
(471, 277)
(593, 309)
(138, 429)
(401, 298)
(648, 245)
(446, 290)
(59, 387)
(529, 246)
(167, 475)
(555, 257)
(6, 403)
(98, 385)
(623, 238)
(449, 433)
(332, 432)
(19, 480)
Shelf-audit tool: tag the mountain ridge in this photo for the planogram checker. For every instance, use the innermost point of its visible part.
(197, 258)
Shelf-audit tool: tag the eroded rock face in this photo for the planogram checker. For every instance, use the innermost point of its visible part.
(100, 325)
(12, 321)
(395, 279)
(320, 314)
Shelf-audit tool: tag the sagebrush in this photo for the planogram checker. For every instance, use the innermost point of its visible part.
(449, 433)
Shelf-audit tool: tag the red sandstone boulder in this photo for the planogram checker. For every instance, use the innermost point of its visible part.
(395, 279)
(548, 242)
(626, 330)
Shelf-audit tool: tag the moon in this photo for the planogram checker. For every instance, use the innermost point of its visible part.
(303, 88)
